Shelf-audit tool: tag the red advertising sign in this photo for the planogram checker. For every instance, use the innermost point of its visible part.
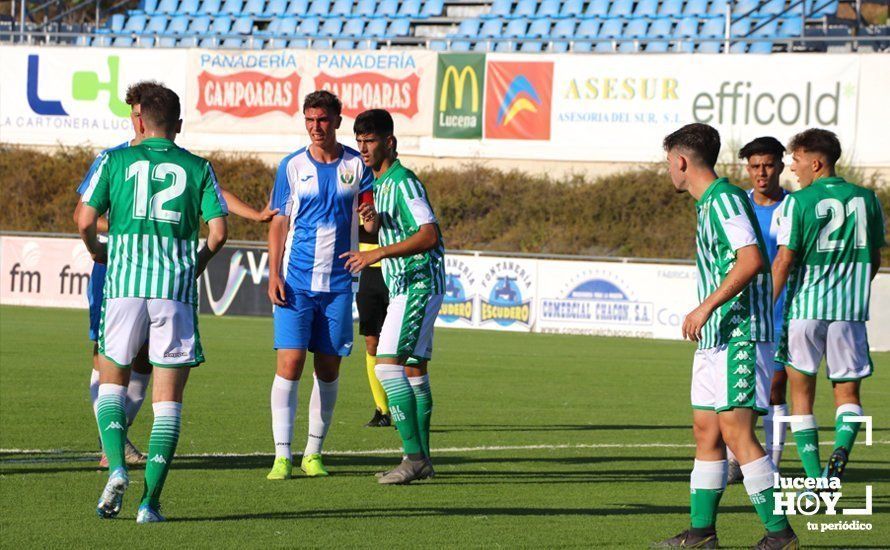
(362, 91)
(517, 100)
(248, 94)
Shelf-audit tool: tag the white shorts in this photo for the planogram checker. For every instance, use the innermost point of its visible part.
(845, 343)
(408, 328)
(170, 327)
(731, 376)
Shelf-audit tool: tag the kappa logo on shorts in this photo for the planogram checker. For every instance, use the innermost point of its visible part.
(114, 426)
(735, 319)
(736, 306)
(158, 459)
(736, 332)
(175, 354)
(741, 384)
(742, 355)
(742, 397)
(742, 370)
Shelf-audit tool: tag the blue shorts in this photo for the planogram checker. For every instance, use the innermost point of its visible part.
(318, 321)
(95, 295)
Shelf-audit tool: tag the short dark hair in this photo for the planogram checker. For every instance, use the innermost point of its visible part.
(323, 99)
(763, 146)
(137, 90)
(817, 140)
(376, 122)
(160, 108)
(701, 140)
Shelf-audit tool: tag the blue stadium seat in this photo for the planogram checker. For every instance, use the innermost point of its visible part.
(491, 29)
(572, 8)
(636, 28)
(821, 8)
(713, 28)
(597, 8)
(698, 8)
(322, 44)
(135, 24)
(687, 28)
(588, 28)
(709, 47)
(460, 46)
(122, 42)
(145, 42)
(252, 7)
(760, 47)
(657, 46)
(298, 44)
(178, 25)
(308, 26)
(387, 8)
(790, 27)
(468, 27)
(319, 7)
(344, 45)
(166, 7)
(102, 40)
(582, 46)
(209, 42)
(743, 7)
(298, 7)
(365, 8)
(232, 7)
(525, 8)
(275, 8)
(399, 27)
(532, 47)
(243, 25)
(646, 8)
(671, 8)
(499, 8)
(366, 45)
(773, 7)
(505, 46)
(516, 28)
(199, 25)
(232, 43)
(331, 27)
(221, 25)
(116, 22)
(548, 8)
(612, 28)
(765, 29)
(188, 7)
(341, 8)
(354, 27)
(660, 28)
(438, 45)
(148, 6)
(409, 8)
(538, 29)
(717, 8)
(433, 8)
(621, 8)
(286, 27)
(209, 7)
(563, 29)
(741, 27)
(376, 28)
(157, 24)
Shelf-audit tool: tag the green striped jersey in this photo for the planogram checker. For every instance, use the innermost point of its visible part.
(402, 203)
(726, 223)
(155, 194)
(833, 227)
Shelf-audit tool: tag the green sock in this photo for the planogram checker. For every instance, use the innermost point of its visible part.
(759, 478)
(807, 441)
(845, 432)
(402, 407)
(111, 417)
(765, 505)
(703, 507)
(161, 448)
(424, 399)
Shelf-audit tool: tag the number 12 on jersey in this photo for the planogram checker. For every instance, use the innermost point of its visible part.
(153, 207)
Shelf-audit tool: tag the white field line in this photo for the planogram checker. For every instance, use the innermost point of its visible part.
(77, 456)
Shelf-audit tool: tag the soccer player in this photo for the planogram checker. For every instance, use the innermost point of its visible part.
(372, 300)
(830, 238)
(414, 269)
(317, 190)
(732, 367)
(764, 166)
(153, 194)
(141, 369)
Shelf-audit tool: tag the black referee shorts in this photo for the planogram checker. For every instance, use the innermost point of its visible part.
(372, 300)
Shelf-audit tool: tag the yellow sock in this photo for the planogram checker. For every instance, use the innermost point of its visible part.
(376, 388)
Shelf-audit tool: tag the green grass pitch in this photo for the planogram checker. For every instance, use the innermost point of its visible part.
(543, 441)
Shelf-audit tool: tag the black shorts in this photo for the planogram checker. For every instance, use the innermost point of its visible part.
(372, 300)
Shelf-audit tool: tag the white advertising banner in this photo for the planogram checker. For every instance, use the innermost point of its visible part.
(77, 96)
(44, 272)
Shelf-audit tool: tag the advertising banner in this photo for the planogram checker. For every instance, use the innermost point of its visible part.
(460, 85)
(236, 282)
(60, 95)
(517, 99)
(44, 272)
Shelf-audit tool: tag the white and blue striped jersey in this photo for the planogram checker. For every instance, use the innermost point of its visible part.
(319, 200)
(768, 220)
(81, 189)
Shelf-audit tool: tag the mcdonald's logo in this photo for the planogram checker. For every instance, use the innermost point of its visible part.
(459, 85)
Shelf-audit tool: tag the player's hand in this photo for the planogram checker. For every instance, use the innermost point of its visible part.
(694, 322)
(100, 256)
(276, 291)
(367, 212)
(357, 261)
(266, 215)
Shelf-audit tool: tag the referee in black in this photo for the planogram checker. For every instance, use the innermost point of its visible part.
(372, 300)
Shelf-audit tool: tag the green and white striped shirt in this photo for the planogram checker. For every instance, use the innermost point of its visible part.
(833, 227)
(401, 200)
(726, 223)
(155, 194)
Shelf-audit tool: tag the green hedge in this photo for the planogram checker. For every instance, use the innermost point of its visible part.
(634, 213)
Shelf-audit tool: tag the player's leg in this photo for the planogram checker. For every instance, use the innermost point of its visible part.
(292, 327)
(381, 418)
(140, 375)
(122, 331)
(775, 442)
(416, 371)
(95, 296)
(371, 301)
(806, 347)
(848, 363)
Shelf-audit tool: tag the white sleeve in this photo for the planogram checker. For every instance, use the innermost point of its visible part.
(421, 211)
(783, 236)
(739, 231)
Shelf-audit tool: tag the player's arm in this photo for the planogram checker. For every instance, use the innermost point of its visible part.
(95, 198)
(244, 210)
(749, 262)
(426, 238)
(216, 238)
(789, 241)
(101, 225)
(879, 235)
(87, 223)
(277, 235)
(367, 213)
(782, 265)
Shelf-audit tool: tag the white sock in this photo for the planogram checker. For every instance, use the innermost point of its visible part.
(284, 407)
(758, 475)
(708, 474)
(774, 447)
(730, 455)
(136, 393)
(321, 410)
(94, 388)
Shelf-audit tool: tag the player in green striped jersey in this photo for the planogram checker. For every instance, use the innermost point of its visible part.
(830, 237)
(732, 367)
(414, 270)
(154, 194)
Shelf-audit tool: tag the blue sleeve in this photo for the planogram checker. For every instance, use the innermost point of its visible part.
(281, 198)
(81, 189)
(367, 183)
